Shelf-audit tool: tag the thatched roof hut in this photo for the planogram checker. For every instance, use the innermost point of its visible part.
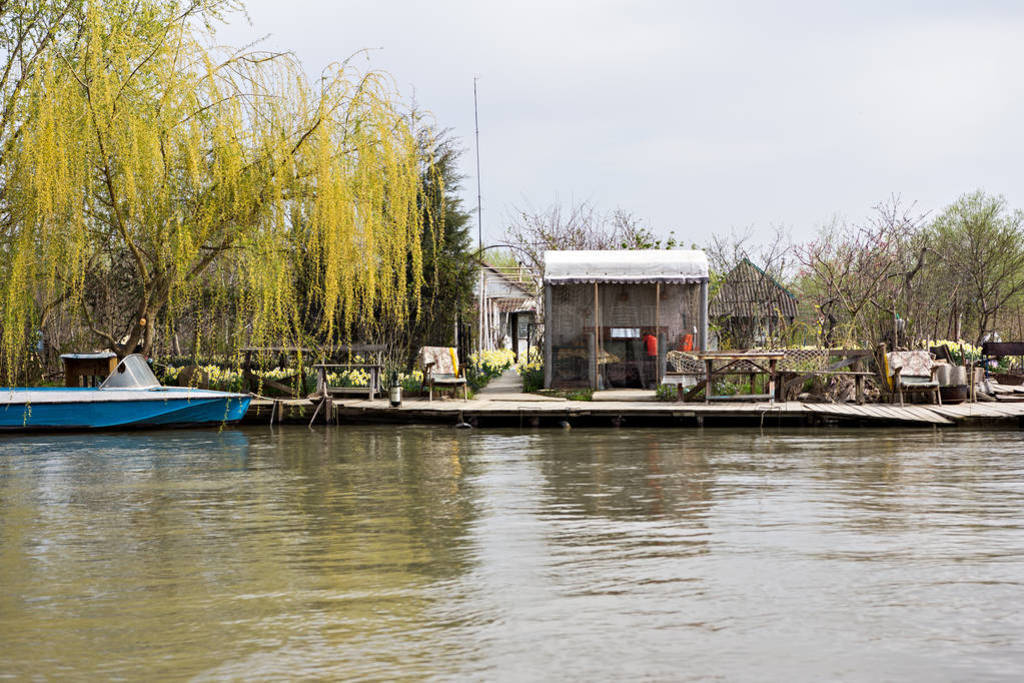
(750, 305)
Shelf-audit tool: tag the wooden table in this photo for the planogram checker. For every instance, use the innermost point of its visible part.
(757, 359)
(371, 389)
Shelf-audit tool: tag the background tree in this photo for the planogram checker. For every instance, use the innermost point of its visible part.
(859, 276)
(29, 29)
(775, 255)
(445, 296)
(980, 242)
(174, 169)
(577, 226)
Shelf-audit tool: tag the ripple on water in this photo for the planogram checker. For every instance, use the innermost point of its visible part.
(382, 552)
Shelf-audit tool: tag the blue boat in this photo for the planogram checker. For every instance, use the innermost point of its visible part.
(131, 397)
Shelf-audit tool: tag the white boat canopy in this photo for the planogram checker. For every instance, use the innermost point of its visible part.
(131, 373)
(677, 266)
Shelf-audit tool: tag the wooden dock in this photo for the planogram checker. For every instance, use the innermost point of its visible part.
(526, 412)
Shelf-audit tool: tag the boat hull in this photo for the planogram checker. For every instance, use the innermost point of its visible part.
(92, 409)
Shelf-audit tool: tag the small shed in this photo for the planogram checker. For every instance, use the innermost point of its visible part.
(88, 369)
(750, 306)
(607, 311)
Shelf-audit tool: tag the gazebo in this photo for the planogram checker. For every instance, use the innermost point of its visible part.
(603, 311)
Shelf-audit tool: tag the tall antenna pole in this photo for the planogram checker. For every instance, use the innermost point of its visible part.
(479, 226)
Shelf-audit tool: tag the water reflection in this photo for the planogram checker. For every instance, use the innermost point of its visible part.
(622, 475)
(382, 552)
(180, 537)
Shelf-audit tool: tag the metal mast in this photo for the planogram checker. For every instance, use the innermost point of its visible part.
(479, 227)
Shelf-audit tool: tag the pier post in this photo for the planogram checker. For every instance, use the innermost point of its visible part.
(702, 331)
(547, 336)
(597, 339)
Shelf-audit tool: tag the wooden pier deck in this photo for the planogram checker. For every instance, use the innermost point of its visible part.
(547, 412)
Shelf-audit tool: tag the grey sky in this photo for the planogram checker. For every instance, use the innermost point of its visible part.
(697, 116)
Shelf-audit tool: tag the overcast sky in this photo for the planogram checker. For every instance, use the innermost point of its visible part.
(698, 117)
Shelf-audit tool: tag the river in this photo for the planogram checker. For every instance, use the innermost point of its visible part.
(429, 552)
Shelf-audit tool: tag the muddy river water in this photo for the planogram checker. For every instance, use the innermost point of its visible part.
(429, 552)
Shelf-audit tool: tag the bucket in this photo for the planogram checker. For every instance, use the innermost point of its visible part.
(944, 373)
(954, 394)
(396, 396)
(958, 375)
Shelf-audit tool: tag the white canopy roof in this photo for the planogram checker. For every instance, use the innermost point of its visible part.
(626, 265)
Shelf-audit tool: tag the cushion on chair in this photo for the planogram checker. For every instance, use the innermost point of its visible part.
(440, 360)
(914, 363)
(917, 382)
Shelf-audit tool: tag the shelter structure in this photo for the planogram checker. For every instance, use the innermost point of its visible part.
(751, 307)
(611, 316)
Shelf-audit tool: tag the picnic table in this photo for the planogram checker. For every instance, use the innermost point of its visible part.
(749, 363)
(782, 382)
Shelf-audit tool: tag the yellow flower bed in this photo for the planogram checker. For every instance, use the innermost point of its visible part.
(534, 361)
(493, 362)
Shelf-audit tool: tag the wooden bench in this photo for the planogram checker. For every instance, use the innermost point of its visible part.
(848, 358)
(372, 388)
(680, 380)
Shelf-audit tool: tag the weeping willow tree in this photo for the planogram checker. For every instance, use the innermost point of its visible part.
(160, 169)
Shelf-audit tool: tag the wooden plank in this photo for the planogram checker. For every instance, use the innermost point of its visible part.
(831, 409)
(903, 414)
(740, 397)
(861, 410)
(509, 408)
(872, 412)
(988, 410)
(950, 412)
(739, 355)
(878, 412)
(955, 411)
(976, 411)
(925, 415)
(895, 412)
(1002, 409)
(912, 414)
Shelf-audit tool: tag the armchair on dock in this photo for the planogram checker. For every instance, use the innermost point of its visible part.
(441, 368)
(907, 372)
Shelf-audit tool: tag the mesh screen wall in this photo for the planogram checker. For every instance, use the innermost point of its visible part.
(612, 346)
